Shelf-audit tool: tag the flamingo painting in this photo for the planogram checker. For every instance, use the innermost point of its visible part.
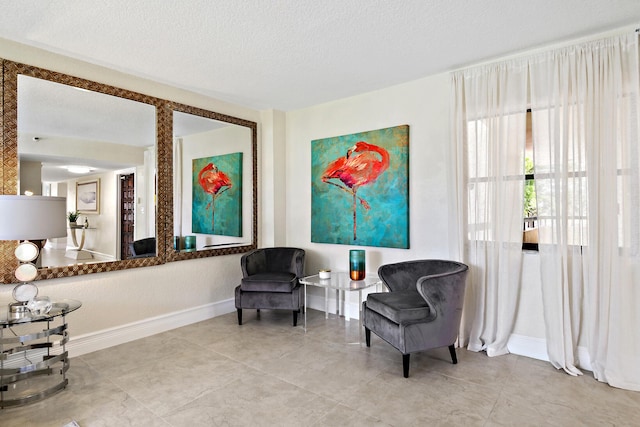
(360, 188)
(214, 182)
(217, 195)
(362, 165)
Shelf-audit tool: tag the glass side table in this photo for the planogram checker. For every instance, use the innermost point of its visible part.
(341, 283)
(33, 356)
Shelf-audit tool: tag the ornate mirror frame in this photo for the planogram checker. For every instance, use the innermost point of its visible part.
(164, 171)
(170, 253)
(9, 165)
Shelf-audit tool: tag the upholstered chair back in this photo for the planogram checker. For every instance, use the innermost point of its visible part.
(273, 260)
(403, 276)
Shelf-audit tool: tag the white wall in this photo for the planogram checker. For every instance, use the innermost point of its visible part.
(272, 177)
(30, 177)
(424, 106)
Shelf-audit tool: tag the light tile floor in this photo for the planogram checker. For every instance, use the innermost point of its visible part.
(267, 373)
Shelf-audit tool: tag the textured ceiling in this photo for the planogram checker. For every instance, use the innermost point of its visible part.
(290, 54)
(280, 54)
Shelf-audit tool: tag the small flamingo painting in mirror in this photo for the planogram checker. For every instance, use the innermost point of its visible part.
(217, 195)
(360, 188)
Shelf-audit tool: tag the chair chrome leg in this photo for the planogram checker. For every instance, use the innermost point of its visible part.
(452, 351)
(405, 365)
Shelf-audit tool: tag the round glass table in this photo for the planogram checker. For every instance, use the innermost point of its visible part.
(33, 355)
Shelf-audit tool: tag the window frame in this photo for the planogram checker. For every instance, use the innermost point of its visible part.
(526, 246)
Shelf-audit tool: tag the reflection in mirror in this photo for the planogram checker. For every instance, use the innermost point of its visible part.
(97, 150)
(44, 145)
(213, 183)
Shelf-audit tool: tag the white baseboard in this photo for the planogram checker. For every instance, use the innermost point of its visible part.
(536, 348)
(83, 344)
(522, 345)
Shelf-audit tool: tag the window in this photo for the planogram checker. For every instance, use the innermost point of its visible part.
(560, 179)
(496, 162)
(530, 207)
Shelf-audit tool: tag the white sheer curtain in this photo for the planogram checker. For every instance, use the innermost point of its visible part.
(586, 155)
(489, 130)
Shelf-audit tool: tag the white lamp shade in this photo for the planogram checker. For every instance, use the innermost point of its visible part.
(32, 217)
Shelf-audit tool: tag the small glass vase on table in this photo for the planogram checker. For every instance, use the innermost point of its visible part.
(189, 243)
(357, 265)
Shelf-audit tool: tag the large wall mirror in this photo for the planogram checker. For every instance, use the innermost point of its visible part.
(214, 209)
(98, 151)
(96, 145)
(181, 179)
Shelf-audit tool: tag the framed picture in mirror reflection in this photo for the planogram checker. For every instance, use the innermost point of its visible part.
(217, 195)
(88, 196)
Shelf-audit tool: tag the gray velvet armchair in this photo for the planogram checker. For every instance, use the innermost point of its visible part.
(422, 310)
(143, 248)
(270, 280)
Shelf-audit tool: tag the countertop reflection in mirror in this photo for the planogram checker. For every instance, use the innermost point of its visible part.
(53, 122)
(214, 209)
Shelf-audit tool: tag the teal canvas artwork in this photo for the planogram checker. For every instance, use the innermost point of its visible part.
(360, 188)
(217, 195)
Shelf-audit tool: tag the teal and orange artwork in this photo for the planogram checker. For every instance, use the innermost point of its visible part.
(217, 195)
(360, 188)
